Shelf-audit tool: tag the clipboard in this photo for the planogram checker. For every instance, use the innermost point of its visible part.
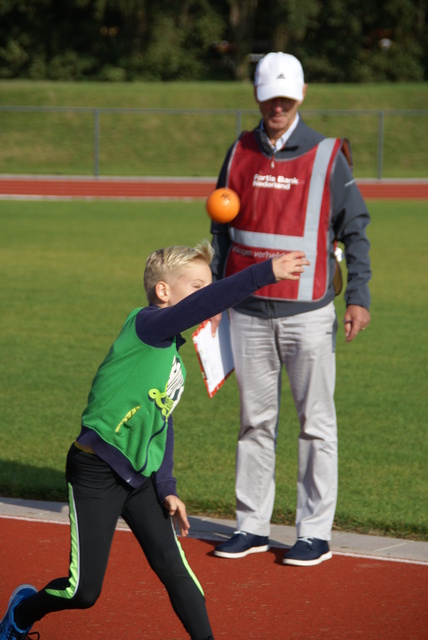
(214, 353)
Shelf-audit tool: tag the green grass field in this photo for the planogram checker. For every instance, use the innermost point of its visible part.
(194, 144)
(71, 271)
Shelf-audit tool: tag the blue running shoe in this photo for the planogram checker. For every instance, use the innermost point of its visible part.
(241, 544)
(307, 552)
(8, 628)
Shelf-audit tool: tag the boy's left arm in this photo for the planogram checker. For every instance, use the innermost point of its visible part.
(164, 482)
(165, 485)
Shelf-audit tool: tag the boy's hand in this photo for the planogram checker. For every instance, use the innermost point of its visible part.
(289, 266)
(177, 510)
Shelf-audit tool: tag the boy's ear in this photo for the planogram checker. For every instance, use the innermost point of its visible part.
(162, 291)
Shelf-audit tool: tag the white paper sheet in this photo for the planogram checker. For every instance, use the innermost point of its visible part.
(214, 353)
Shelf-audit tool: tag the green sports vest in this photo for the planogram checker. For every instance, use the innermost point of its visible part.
(133, 393)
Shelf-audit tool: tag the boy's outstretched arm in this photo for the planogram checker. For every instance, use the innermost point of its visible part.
(156, 325)
(288, 266)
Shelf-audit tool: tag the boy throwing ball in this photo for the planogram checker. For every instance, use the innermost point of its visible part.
(121, 463)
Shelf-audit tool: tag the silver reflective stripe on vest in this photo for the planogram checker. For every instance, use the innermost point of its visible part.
(307, 242)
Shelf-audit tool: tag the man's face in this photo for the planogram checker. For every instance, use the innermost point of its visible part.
(278, 115)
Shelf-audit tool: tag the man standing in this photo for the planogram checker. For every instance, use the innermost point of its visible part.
(297, 193)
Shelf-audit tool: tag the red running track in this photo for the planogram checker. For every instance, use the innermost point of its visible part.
(166, 188)
(257, 598)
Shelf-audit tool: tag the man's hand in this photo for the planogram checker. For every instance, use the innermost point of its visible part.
(356, 319)
(289, 266)
(177, 510)
(215, 321)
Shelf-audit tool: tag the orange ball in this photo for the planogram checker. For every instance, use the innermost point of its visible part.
(223, 205)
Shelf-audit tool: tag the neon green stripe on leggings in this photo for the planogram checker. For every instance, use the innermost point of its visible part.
(74, 564)
(186, 564)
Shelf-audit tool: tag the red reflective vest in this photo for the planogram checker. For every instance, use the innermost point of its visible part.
(285, 206)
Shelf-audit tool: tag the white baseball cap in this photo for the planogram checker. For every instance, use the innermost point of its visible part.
(279, 75)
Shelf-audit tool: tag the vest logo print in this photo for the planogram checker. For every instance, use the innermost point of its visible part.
(168, 399)
(284, 208)
(274, 182)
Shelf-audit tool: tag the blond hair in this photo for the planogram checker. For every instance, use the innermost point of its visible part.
(164, 263)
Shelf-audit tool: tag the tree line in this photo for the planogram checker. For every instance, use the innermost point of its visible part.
(126, 40)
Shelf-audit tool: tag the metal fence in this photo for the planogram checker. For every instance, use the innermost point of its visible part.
(237, 114)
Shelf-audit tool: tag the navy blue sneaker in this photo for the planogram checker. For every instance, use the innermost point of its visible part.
(241, 544)
(307, 552)
(8, 628)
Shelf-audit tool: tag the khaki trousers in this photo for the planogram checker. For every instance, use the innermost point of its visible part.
(305, 345)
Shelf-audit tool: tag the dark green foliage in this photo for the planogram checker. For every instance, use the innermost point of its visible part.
(124, 40)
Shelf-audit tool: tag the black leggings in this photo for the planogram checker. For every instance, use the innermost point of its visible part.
(97, 498)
